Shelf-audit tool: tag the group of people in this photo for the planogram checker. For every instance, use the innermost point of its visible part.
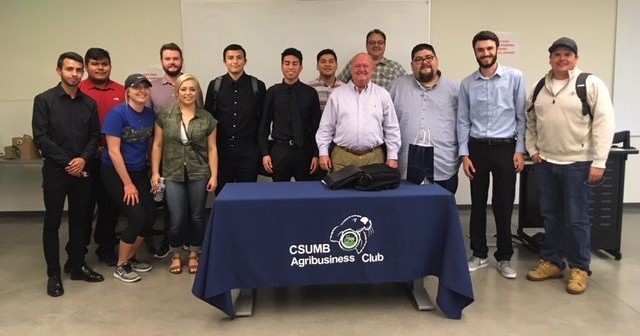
(95, 137)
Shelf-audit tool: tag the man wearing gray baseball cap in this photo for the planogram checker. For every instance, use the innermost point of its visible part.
(569, 144)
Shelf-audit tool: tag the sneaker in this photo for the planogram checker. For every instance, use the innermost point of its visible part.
(545, 271)
(162, 252)
(505, 269)
(578, 282)
(126, 273)
(475, 263)
(139, 266)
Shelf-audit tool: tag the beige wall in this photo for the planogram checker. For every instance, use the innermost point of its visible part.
(35, 32)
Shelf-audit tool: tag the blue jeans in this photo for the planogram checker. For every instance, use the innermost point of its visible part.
(186, 202)
(564, 204)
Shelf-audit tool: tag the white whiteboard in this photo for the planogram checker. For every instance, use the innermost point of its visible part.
(266, 28)
(626, 87)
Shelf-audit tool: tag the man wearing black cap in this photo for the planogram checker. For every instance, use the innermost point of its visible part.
(569, 149)
(66, 130)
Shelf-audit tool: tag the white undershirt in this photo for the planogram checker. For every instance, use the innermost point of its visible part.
(183, 134)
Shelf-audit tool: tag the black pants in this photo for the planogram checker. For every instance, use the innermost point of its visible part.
(451, 184)
(495, 160)
(291, 161)
(105, 232)
(140, 216)
(237, 162)
(57, 186)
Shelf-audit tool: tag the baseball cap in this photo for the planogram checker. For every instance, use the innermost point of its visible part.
(136, 79)
(564, 42)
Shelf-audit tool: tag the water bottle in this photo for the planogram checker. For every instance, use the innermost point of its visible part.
(158, 195)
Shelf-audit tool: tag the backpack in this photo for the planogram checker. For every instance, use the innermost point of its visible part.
(216, 88)
(373, 177)
(581, 91)
(378, 176)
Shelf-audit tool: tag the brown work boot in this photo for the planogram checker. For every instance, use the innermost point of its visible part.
(578, 282)
(545, 271)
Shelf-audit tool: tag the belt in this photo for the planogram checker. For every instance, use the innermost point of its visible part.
(289, 142)
(492, 141)
(233, 141)
(359, 152)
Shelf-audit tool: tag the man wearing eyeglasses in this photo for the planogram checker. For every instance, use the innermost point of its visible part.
(491, 127)
(569, 149)
(384, 69)
(426, 100)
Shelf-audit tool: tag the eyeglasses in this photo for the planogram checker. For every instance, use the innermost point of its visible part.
(380, 43)
(428, 59)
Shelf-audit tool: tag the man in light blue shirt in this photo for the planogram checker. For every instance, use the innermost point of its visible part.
(426, 100)
(359, 118)
(491, 128)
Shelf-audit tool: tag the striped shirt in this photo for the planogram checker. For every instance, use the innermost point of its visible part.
(383, 73)
(324, 90)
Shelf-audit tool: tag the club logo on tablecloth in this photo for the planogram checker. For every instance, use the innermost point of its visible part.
(352, 233)
(347, 243)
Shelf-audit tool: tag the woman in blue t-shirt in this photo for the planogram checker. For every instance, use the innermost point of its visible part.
(128, 129)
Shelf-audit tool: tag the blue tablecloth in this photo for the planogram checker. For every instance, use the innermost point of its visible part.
(300, 233)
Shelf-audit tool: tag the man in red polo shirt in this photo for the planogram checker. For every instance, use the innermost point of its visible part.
(107, 95)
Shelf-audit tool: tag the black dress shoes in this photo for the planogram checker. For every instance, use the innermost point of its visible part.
(85, 273)
(54, 286)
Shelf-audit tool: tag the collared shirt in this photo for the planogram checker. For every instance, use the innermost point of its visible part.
(163, 95)
(277, 110)
(107, 97)
(359, 120)
(324, 90)
(383, 73)
(237, 108)
(135, 130)
(433, 110)
(63, 127)
(492, 107)
(176, 156)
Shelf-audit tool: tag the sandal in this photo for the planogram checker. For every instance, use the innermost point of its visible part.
(194, 261)
(176, 265)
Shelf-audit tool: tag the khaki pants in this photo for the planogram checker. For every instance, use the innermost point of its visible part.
(341, 158)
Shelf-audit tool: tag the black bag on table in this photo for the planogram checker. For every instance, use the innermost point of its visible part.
(378, 176)
(420, 160)
(343, 178)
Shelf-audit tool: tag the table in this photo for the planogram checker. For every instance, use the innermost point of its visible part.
(21, 185)
(300, 233)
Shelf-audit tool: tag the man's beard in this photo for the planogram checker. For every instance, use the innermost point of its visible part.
(494, 59)
(172, 73)
(426, 78)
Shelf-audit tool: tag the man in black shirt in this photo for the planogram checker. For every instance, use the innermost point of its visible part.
(66, 130)
(294, 109)
(235, 100)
